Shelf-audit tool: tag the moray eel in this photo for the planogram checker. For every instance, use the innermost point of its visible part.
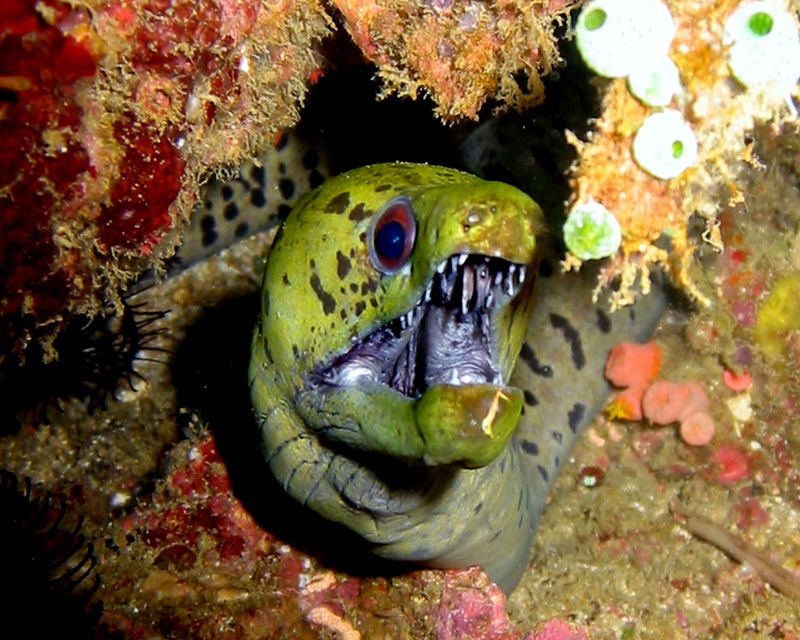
(396, 301)
(260, 197)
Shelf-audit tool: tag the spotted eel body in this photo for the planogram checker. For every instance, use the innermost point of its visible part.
(260, 197)
(396, 301)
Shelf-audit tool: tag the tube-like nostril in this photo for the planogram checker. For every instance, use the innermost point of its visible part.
(474, 217)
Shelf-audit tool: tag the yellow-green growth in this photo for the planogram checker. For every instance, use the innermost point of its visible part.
(778, 315)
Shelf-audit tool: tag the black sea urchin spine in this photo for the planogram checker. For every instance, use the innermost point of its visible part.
(92, 357)
(48, 566)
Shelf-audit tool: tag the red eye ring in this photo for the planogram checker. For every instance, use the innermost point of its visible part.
(391, 236)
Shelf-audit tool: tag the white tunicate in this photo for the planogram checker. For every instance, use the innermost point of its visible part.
(764, 46)
(591, 231)
(665, 145)
(615, 37)
(655, 85)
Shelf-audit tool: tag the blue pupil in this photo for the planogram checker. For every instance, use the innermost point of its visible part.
(390, 240)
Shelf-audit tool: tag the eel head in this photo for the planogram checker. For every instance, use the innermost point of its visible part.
(396, 299)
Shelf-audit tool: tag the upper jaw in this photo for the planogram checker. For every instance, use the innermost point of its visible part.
(448, 337)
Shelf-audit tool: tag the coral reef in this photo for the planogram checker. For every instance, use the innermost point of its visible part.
(610, 557)
(654, 179)
(746, 478)
(114, 112)
(461, 53)
(190, 555)
(634, 367)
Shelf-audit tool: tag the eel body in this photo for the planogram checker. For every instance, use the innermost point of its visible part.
(397, 300)
(259, 197)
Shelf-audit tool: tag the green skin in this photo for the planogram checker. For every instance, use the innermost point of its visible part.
(458, 476)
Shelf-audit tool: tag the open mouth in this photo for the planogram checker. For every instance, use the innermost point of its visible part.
(447, 338)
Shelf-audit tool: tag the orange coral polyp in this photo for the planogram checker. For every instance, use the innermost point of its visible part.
(665, 402)
(628, 404)
(630, 363)
(697, 428)
(698, 400)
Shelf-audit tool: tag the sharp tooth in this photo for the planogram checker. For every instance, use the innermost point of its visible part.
(402, 322)
(522, 274)
(440, 268)
(447, 287)
(498, 278)
(454, 379)
(509, 286)
(462, 259)
(511, 269)
(428, 294)
(467, 289)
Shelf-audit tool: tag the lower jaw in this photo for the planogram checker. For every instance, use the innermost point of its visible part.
(467, 425)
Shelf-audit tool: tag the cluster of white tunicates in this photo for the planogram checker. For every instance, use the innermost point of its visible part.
(631, 39)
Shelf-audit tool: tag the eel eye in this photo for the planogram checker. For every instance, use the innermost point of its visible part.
(391, 236)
